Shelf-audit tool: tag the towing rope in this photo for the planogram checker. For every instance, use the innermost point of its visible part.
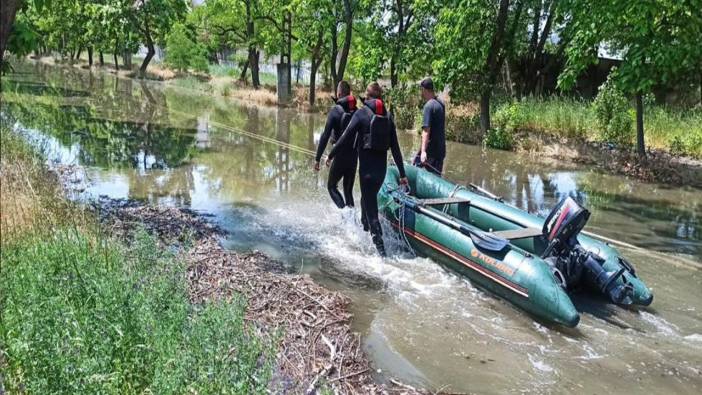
(683, 262)
(400, 217)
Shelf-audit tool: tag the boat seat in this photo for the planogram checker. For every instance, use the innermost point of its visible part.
(443, 201)
(521, 233)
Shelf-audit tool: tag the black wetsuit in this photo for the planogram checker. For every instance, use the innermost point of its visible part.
(372, 166)
(344, 165)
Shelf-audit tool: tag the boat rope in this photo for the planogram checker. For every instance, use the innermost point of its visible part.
(400, 218)
(683, 261)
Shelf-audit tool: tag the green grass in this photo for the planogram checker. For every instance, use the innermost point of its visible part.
(217, 70)
(191, 82)
(267, 78)
(558, 116)
(83, 313)
(676, 131)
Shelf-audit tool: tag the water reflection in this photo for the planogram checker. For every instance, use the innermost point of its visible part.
(165, 134)
(167, 145)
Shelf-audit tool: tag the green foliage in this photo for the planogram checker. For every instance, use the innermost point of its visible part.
(367, 58)
(182, 53)
(556, 116)
(510, 116)
(500, 138)
(687, 143)
(85, 315)
(406, 104)
(612, 114)
(463, 125)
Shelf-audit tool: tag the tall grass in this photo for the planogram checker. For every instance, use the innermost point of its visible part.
(83, 313)
(676, 131)
(558, 116)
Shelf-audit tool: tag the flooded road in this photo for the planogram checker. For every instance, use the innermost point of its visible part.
(250, 168)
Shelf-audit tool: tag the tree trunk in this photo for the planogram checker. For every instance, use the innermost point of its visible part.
(150, 50)
(114, 56)
(316, 61)
(298, 71)
(253, 63)
(485, 111)
(393, 71)
(334, 55)
(127, 60)
(8, 10)
(90, 56)
(102, 59)
(640, 144)
(535, 65)
(492, 65)
(347, 42)
(253, 52)
(244, 69)
(313, 82)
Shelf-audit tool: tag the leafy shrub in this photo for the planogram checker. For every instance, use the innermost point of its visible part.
(463, 124)
(510, 116)
(612, 113)
(500, 138)
(688, 144)
(406, 105)
(182, 53)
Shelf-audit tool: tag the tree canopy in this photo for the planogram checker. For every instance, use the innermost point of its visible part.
(472, 47)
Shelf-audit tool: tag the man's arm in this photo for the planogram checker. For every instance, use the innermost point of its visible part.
(426, 131)
(324, 139)
(397, 152)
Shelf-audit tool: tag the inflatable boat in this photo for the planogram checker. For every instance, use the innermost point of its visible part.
(530, 261)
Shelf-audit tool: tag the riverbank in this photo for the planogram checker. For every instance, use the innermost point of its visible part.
(220, 81)
(107, 297)
(551, 129)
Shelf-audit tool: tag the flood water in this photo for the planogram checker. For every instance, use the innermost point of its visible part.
(250, 168)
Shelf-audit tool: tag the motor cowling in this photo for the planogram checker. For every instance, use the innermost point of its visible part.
(573, 263)
(564, 222)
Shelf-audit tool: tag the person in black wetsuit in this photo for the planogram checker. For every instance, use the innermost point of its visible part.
(344, 166)
(372, 161)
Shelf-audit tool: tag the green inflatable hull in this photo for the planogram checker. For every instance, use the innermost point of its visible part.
(516, 273)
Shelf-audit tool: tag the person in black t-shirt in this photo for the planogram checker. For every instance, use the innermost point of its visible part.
(433, 150)
(345, 163)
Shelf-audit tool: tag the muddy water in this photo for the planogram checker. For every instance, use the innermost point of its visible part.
(250, 168)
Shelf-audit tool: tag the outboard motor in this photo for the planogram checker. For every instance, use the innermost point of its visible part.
(571, 261)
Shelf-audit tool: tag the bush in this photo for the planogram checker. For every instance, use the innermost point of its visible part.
(463, 124)
(500, 138)
(182, 53)
(406, 105)
(612, 113)
(689, 144)
(510, 116)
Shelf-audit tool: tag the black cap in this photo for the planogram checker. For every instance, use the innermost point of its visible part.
(427, 83)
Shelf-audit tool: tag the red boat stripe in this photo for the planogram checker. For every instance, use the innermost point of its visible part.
(558, 223)
(468, 263)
